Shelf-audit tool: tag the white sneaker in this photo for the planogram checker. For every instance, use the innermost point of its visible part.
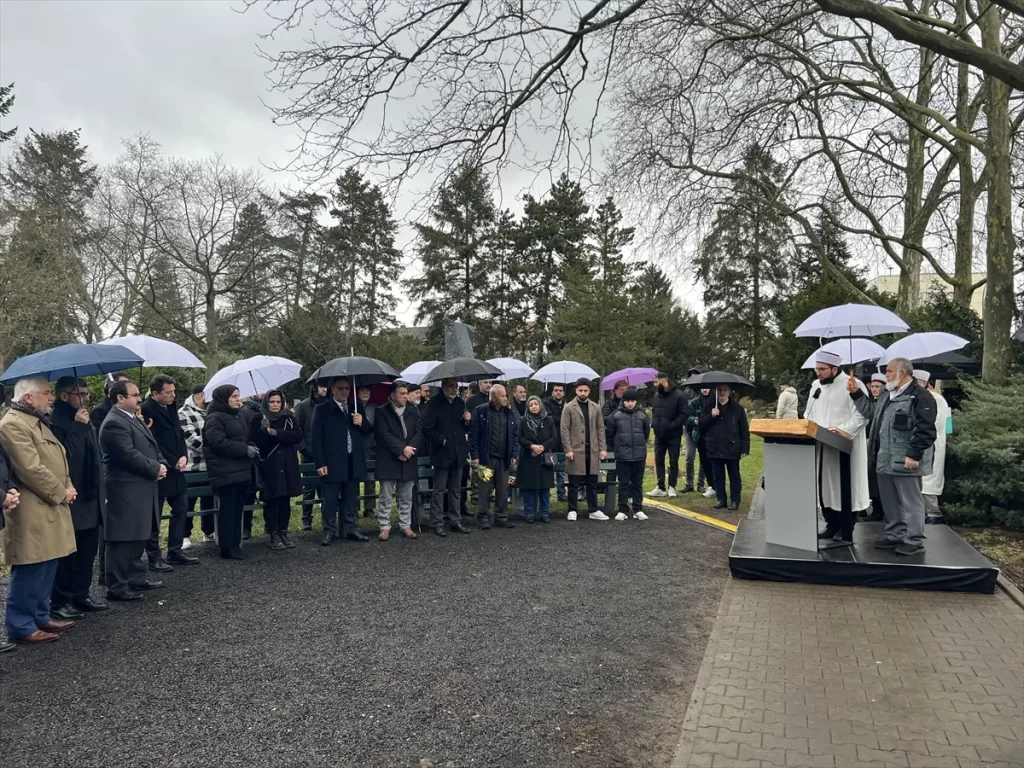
(639, 516)
(709, 493)
(672, 492)
(186, 543)
(599, 515)
(621, 516)
(656, 493)
(572, 517)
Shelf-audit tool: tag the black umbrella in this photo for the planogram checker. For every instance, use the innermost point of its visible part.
(463, 369)
(361, 371)
(714, 378)
(948, 365)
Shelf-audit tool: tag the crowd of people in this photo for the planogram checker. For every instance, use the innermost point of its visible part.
(83, 484)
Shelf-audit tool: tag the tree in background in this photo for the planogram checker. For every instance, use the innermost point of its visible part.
(6, 102)
(505, 331)
(298, 235)
(744, 264)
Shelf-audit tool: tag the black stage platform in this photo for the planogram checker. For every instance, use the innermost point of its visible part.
(948, 563)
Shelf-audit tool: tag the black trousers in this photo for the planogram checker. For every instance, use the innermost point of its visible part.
(277, 514)
(248, 501)
(206, 521)
(631, 484)
(345, 495)
(587, 482)
(74, 572)
(175, 528)
(730, 467)
(671, 447)
(837, 521)
(444, 497)
(126, 565)
(704, 475)
(229, 515)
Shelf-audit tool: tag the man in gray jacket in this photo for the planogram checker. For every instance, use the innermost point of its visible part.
(901, 447)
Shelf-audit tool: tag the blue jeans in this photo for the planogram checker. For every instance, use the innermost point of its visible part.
(560, 485)
(530, 503)
(28, 598)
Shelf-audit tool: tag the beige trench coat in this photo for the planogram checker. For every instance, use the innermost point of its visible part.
(39, 528)
(574, 437)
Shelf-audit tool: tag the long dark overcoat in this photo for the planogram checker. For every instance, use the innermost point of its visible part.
(131, 463)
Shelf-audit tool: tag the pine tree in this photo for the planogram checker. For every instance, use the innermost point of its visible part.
(255, 289)
(672, 333)
(609, 240)
(504, 332)
(743, 263)
(453, 253)
(379, 264)
(6, 102)
(298, 231)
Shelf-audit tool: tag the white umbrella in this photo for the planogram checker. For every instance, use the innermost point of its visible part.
(850, 351)
(255, 374)
(414, 373)
(851, 320)
(564, 372)
(158, 353)
(917, 346)
(511, 368)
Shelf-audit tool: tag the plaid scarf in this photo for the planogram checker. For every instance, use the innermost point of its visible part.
(43, 417)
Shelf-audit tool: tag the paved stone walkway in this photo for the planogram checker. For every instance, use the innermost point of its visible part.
(801, 675)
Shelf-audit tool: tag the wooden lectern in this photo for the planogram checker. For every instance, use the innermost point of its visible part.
(791, 480)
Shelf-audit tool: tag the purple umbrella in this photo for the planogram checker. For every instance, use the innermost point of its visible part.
(632, 377)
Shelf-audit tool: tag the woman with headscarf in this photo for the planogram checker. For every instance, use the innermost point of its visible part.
(229, 464)
(535, 474)
(277, 435)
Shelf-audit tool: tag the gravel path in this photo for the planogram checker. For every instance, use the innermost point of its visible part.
(561, 645)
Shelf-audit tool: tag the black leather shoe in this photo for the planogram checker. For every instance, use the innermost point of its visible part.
(909, 549)
(887, 544)
(720, 505)
(233, 554)
(160, 565)
(504, 524)
(307, 526)
(90, 606)
(180, 558)
(125, 596)
(142, 586)
(288, 543)
(329, 538)
(459, 528)
(529, 520)
(440, 531)
(734, 507)
(484, 524)
(828, 533)
(356, 536)
(66, 612)
(6, 647)
(545, 520)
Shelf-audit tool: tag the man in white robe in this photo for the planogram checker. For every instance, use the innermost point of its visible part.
(932, 485)
(832, 404)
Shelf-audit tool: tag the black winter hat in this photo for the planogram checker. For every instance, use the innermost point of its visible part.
(630, 394)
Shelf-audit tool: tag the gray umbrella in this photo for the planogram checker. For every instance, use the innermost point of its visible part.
(463, 369)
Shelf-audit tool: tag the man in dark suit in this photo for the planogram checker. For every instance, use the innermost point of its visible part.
(160, 413)
(445, 423)
(70, 422)
(338, 441)
(132, 468)
(99, 413)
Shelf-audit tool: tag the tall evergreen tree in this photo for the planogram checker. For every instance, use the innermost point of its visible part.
(609, 240)
(453, 253)
(255, 291)
(298, 230)
(743, 263)
(6, 102)
(504, 333)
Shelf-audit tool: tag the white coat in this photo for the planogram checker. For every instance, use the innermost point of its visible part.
(834, 408)
(933, 484)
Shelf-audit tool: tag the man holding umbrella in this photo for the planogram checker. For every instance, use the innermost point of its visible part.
(338, 439)
(832, 404)
(445, 424)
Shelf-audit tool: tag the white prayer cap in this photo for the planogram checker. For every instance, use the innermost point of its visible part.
(878, 377)
(922, 375)
(828, 358)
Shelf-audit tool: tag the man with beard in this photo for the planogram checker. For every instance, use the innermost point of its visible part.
(832, 404)
(445, 425)
(553, 407)
(70, 419)
(519, 401)
(583, 439)
(304, 417)
(669, 411)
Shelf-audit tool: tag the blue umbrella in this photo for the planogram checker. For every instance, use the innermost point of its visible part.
(71, 360)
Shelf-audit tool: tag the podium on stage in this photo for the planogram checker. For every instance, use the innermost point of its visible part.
(791, 479)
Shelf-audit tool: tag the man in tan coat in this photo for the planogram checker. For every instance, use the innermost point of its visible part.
(584, 445)
(39, 530)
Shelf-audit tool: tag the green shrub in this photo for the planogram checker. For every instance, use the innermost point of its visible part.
(985, 456)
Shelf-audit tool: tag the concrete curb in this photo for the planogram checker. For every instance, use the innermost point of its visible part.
(1011, 591)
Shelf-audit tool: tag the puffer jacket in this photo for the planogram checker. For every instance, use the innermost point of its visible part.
(626, 432)
(226, 448)
(669, 411)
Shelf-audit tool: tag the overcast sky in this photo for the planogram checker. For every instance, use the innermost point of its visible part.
(184, 71)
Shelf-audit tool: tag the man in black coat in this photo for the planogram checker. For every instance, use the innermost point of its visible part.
(689, 395)
(399, 443)
(132, 468)
(669, 411)
(304, 417)
(338, 439)
(554, 406)
(160, 413)
(71, 425)
(493, 444)
(99, 413)
(445, 424)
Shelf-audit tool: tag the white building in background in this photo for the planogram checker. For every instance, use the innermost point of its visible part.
(891, 284)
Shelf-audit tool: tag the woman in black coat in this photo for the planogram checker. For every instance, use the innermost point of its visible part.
(723, 425)
(535, 474)
(278, 435)
(229, 464)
